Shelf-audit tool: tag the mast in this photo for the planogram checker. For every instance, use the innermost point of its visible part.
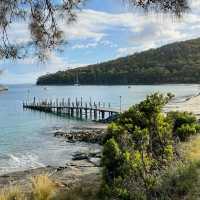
(77, 80)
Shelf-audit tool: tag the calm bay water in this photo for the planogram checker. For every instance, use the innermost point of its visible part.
(26, 139)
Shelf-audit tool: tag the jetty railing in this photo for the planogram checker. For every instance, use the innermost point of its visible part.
(75, 109)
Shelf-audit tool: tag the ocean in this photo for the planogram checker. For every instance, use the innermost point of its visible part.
(26, 137)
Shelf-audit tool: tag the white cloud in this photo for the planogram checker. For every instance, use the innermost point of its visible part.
(146, 31)
(123, 51)
(85, 46)
(105, 43)
(95, 25)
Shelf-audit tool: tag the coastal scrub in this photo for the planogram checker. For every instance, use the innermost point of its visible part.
(141, 147)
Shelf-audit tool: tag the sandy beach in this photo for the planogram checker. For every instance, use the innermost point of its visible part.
(190, 104)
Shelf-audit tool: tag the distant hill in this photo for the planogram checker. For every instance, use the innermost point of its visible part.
(173, 63)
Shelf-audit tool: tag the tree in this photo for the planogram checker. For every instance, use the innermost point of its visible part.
(42, 17)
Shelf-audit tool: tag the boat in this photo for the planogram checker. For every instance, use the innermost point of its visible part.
(3, 88)
(77, 81)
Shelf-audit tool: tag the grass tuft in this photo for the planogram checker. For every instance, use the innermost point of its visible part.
(43, 188)
(12, 193)
(191, 149)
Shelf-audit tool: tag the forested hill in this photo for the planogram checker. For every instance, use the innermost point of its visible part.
(173, 63)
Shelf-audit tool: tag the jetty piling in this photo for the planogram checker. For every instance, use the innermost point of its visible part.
(79, 109)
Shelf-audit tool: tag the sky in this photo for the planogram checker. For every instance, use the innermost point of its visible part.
(104, 30)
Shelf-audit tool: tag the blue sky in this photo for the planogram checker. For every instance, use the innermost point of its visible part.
(104, 30)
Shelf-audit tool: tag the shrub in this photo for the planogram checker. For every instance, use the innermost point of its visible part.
(139, 146)
(197, 127)
(184, 125)
(185, 131)
(181, 118)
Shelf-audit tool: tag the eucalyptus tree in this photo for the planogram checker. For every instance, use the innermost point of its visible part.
(42, 18)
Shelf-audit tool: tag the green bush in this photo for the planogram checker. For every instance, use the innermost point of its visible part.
(185, 131)
(197, 127)
(180, 118)
(139, 149)
(184, 124)
(139, 146)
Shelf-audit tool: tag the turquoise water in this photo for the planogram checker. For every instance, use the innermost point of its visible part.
(26, 138)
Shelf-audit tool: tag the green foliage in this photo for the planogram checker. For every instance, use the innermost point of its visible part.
(138, 153)
(138, 147)
(113, 151)
(181, 118)
(174, 63)
(185, 124)
(185, 131)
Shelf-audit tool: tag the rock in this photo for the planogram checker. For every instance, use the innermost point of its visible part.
(91, 157)
(58, 133)
(67, 176)
(80, 156)
(95, 154)
(95, 161)
(60, 168)
(90, 136)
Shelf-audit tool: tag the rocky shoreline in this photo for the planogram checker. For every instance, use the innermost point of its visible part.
(84, 166)
(85, 135)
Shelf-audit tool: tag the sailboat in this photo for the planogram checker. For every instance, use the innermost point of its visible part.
(77, 81)
(3, 88)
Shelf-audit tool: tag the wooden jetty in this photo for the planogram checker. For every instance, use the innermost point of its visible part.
(77, 109)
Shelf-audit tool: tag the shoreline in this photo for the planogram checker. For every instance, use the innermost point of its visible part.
(93, 135)
(63, 176)
(128, 84)
(84, 165)
(190, 104)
